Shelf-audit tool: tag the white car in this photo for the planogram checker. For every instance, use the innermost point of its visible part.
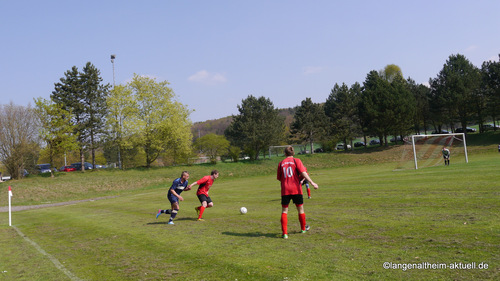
(341, 146)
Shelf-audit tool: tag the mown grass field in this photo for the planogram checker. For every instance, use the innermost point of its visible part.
(363, 215)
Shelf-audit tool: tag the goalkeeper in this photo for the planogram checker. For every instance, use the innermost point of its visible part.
(446, 156)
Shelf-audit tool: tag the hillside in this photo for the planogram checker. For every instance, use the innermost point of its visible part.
(218, 126)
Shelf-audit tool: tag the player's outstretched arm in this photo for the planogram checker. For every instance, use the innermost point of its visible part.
(306, 176)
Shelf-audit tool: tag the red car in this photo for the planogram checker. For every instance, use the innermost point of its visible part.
(67, 169)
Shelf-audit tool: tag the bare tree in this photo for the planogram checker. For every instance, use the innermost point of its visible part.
(19, 142)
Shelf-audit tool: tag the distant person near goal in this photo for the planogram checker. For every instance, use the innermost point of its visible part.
(446, 156)
(290, 171)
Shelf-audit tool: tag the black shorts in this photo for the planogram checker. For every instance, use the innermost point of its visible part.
(296, 198)
(203, 197)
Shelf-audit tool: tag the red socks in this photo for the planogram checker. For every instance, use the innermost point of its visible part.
(309, 192)
(284, 223)
(202, 209)
(302, 220)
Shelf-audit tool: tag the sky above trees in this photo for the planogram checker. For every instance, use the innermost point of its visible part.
(216, 53)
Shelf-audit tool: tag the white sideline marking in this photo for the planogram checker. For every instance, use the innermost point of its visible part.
(52, 258)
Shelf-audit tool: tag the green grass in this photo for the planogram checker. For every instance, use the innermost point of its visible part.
(363, 215)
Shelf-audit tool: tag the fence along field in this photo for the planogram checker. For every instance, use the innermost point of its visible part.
(362, 216)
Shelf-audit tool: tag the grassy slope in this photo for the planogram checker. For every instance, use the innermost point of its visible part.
(362, 215)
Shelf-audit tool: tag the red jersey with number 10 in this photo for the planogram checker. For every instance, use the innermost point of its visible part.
(204, 185)
(289, 171)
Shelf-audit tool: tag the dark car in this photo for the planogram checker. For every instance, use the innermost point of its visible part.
(318, 150)
(43, 168)
(488, 127)
(468, 129)
(442, 132)
(68, 168)
(78, 166)
(374, 142)
(359, 144)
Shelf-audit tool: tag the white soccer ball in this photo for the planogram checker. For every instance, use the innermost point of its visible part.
(243, 210)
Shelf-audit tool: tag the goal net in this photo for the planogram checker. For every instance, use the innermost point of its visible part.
(421, 151)
(279, 150)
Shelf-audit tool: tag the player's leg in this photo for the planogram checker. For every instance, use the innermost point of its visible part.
(298, 200)
(167, 211)
(175, 210)
(203, 200)
(285, 201)
(308, 191)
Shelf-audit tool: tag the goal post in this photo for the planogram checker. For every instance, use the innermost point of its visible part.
(280, 148)
(413, 137)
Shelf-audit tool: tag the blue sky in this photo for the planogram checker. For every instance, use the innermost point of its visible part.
(217, 53)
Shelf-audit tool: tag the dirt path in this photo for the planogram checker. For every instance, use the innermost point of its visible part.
(22, 208)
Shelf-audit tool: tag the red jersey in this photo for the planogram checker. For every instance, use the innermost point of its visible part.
(289, 170)
(204, 185)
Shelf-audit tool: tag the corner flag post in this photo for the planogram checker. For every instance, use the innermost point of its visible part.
(10, 210)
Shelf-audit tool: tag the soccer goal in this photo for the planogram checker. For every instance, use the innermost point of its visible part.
(278, 150)
(427, 148)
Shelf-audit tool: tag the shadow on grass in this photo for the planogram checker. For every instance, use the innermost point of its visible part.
(252, 234)
(166, 221)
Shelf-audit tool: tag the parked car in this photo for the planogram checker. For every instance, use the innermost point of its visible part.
(398, 138)
(374, 142)
(304, 152)
(488, 127)
(43, 168)
(442, 132)
(359, 144)
(468, 129)
(341, 146)
(78, 166)
(68, 168)
(318, 150)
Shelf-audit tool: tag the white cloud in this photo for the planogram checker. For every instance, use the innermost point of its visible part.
(493, 58)
(208, 78)
(308, 70)
(471, 48)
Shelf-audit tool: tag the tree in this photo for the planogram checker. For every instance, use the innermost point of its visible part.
(84, 96)
(376, 105)
(94, 103)
(212, 145)
(122, 110)
(310, 122)
(390, 72)
(340, 107)
(56, 129)
(457, 86)
(257, 127)
(161, 122)
(421, 93)
(404, 107)
(491, 88)
(19, 142)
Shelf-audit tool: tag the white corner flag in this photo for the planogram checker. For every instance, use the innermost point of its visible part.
(10, 209)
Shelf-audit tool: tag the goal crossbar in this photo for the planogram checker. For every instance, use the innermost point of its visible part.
(413, 137)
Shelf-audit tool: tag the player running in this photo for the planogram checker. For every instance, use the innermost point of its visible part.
(174, 196)
(289, 172)
(446, 156)
(304, 181)
(204, 185)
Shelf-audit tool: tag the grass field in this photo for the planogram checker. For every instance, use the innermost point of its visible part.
(364, 215)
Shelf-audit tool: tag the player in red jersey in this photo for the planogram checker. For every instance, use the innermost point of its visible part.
(290, 172)
(204, 185)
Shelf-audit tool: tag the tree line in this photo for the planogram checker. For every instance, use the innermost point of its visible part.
(385, 105)
(142, 123)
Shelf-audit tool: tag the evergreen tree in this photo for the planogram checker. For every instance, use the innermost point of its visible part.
(257, 126)
(310, 122)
